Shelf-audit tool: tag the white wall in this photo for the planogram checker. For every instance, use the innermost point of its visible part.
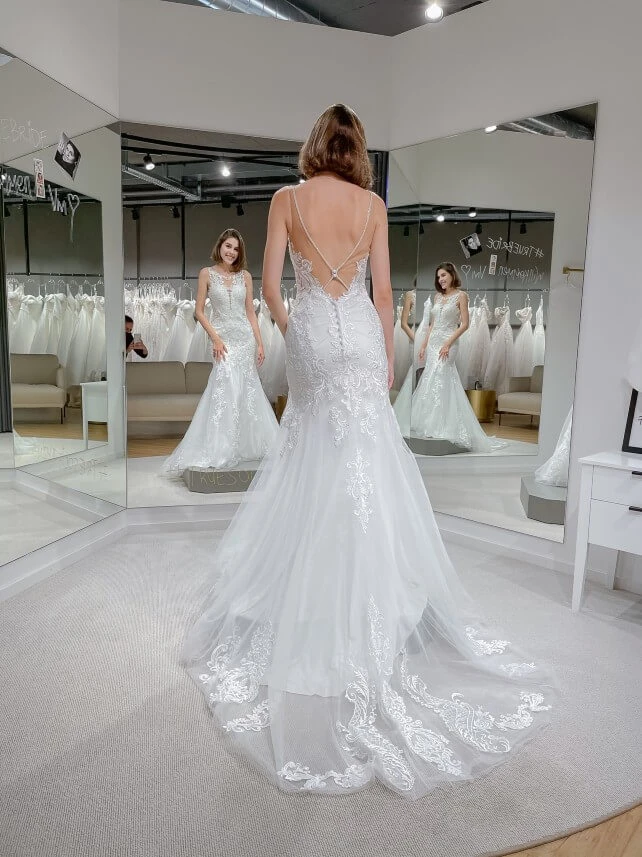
(193, 67)
(73, 41)
(535, 58)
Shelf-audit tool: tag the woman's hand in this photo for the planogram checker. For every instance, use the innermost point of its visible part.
(444, 351)
(219, 349)
(260, 354)
(422, 353)
(391, 371)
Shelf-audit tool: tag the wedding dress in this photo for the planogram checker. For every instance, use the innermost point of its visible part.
(440, 407)
(180, 335)
(404, 397)
(554, 471)
(403, 348)
(337, 646)
(539, 336)
(500, 370)
(479, 343)
(523, 352)
(233, 421)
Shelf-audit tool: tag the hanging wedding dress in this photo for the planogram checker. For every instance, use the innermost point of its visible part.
(337, 646)
(96, 364)
(404, 397)
(499, 370)
(180, 335)
(75, 370)
(200, 348)
(554, 471)
(26, 324)
(233, 421)
(68, 326)
(440, 407)
(479, 349)
(523, 351)
(539, 336)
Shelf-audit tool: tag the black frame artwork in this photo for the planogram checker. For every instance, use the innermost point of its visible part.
(633, 407)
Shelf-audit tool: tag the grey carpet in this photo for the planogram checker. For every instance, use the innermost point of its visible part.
(108, 748)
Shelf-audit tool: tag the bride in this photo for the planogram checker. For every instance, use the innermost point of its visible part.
(337, 646)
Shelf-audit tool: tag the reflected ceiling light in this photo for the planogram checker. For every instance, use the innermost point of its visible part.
(522, 229)
(472, 212)
(434, 12)
(490, 128)
(175, 212)
(149, 163)
(226, 172)
(478, 229)
(239, 210)
(135, 214)
(406, 231)
(440, 218)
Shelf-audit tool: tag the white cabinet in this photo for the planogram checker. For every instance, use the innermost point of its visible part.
(94, 405)
(610, 510)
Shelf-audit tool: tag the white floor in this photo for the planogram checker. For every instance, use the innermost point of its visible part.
(104, 478)
(513, 447)
(29, 523)
(488, 498)
(48, 448)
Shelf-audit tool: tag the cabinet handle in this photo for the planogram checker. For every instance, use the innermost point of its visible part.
(636, 473)
(635, 509)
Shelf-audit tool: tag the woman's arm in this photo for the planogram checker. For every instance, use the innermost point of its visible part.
(381, 287)
(250, 312)
(462, 300)
(274, 256)
(422, 350)
(405, 315)
(219, 349)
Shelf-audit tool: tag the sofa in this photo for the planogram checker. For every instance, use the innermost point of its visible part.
(164, 391)
(38, 381)
(524, 395)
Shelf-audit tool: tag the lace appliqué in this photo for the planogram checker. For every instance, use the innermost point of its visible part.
(241, 683)
(517, 670)
(360, 488)
(256, 720)
(485, 647)
(353, 776)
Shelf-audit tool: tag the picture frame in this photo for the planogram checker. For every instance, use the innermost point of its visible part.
(633, 432)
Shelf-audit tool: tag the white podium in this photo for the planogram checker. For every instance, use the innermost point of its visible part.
(94, 406)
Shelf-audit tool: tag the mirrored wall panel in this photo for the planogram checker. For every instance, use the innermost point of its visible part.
(61, 240)
(489, 324)
(195, 209)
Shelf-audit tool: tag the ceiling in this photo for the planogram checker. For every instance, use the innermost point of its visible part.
(383, 17)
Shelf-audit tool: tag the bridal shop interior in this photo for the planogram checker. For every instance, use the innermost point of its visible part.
(516, 162)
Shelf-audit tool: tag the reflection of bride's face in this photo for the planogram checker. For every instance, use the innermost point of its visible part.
(68, 155)
(444, 278)
(229, 251)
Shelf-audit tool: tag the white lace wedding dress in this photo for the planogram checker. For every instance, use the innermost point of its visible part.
(440, 408)
(337, 646)
(233, 422)
(554, 471)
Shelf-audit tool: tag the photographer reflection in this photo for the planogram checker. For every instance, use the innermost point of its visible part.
(133, 342)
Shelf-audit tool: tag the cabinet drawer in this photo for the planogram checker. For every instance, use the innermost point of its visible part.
(615, 526)
(618, 486)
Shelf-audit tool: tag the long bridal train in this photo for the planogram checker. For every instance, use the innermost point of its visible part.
(337, 645)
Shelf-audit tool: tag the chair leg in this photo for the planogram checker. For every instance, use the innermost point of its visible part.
(62, 416)
(499, 414)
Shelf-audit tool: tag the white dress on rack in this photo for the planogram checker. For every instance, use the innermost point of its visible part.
(200, 348)
(539, 336)
(523, 354)
(499, 369)
(440, 407)
(233, 421)
(68, 326)
(404, 396)
(554, 471)
(479, 348)
(97, 353)
(180, 335)
(75, 370)
(337, 646)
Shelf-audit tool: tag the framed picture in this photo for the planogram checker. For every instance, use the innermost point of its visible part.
(471, 245)
(67, 155)
(633, 431)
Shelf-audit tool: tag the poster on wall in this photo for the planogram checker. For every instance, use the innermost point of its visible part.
(39, 177)
(67, 155)
(633, 430)
(471, 245)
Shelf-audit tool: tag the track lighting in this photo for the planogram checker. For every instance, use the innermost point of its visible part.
(226, 172)
(472, 212)
(149, 163)
(175, 212)
(522, 229)
(440, 218)
(490, 128)
(239, 210)
(478, 229)
(406, 231)
(434, 13)
(135, 214)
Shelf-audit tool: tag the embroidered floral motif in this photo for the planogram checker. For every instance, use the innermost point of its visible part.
(360, 488)
(256, 720)
(353, 776)
(485, 647)
(517, 670)
(241, 683)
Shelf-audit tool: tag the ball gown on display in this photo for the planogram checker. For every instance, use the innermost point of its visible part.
(181, 332)
(554, 471)
(500, 367)
(539, 336)
(523, 350)
(440, 407)
(233, 422)
(337, 646)
(479, 350)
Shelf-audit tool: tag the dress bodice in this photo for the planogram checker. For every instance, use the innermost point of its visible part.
(524, 315)
(445, 315)
(502, 314)
(308, 285)
(228, 304)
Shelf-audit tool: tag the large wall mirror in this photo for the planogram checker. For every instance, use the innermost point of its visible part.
(488, 293)
(196, 432)
(62, 439)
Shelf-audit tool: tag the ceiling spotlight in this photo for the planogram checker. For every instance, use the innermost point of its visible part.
(522, 229)
(226, 172)
(149, 163)
(472, 212)
(135, 214)
(434, 12)
(478, 229)
(175, 212)
(406, 231)
(490, 128)
(239, 210)
(440, 218)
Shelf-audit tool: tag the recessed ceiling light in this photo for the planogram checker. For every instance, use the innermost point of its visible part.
(149, 163)
(434, 12)
(490, 128)
(472, 212)
(225, 171)
(441, 218)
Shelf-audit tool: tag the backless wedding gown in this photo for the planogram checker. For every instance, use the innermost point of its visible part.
(233, 421)
(337, 645)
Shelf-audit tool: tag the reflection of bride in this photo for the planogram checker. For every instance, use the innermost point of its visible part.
(233, 421)
(404, 397)
(440, 407)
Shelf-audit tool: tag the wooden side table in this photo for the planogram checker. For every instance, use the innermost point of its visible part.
(483, 404)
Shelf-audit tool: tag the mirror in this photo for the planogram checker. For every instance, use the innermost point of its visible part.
(500, 244)
(62, 403)
(197, 430)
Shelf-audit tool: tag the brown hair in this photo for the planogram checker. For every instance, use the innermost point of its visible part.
(337, 144)
(241, 259)
(454, 273)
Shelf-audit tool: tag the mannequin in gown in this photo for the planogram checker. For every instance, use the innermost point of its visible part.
(440, 407)
(233, 421)
(337, 645)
